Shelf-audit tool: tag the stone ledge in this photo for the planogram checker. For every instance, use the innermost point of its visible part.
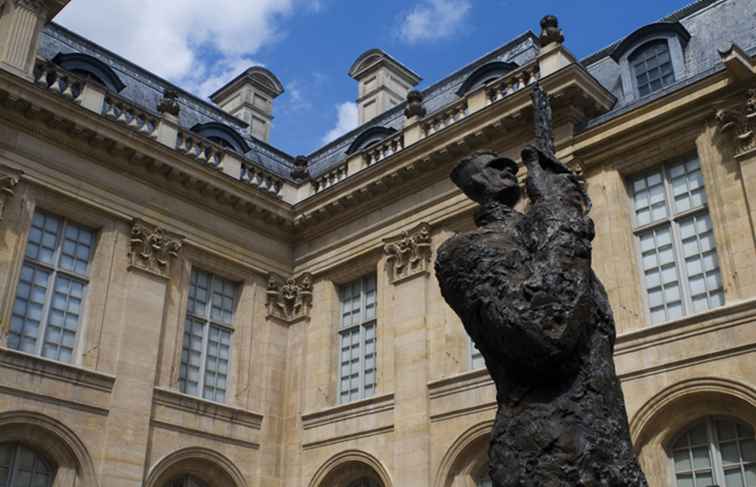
(707, 321)
(471, 379)
(463, 394)
(196, 405)
(60, 371)
(363, 407)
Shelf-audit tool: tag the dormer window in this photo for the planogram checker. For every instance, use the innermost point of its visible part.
(652, 67)
(651, 58)
(222, 135)
(92, 68)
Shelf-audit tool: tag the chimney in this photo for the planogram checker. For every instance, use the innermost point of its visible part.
(383, 82)
(249, 97)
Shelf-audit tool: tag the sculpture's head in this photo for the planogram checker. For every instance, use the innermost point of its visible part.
(486, 176)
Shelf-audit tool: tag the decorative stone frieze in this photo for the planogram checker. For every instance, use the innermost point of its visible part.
(151, 248)
(409, 254)
(291, 299)
(741, 123)
(8, 184)
(169, 103)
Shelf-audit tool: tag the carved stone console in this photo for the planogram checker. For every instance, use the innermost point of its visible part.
(290, 299)
(741, 123)
(8, 182)
(152, 249)
(409, 254)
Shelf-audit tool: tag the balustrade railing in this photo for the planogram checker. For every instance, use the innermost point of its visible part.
(330, 178)
(445, 117)
(384, 148)
(58, 80)
(262, 180)
(200, 148)
(513, 82)
(128, 114)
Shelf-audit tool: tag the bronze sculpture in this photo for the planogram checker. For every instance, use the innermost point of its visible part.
(523, 286)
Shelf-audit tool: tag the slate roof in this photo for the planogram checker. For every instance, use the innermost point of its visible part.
(711, 24)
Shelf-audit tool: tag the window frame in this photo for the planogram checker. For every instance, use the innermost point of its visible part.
(638, 51)
(55, 270)
(38, 457)
(676, 49)
(672, 220)
(207, 322)
(713, 446)
(362, 325)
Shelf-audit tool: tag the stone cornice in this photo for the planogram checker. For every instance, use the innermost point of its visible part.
(196, 405)
(68, 123)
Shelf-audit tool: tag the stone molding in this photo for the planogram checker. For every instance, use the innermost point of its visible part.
(741, 123)
(197, 405)
(289, 300)
(38, 7)
(409, 254)
(151, 248)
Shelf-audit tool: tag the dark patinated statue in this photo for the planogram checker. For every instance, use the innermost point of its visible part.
(523, 286)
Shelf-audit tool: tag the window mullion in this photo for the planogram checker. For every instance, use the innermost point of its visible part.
(46, 311)
(12, 466)
(203, 359)
(681, 267)
(716, 454)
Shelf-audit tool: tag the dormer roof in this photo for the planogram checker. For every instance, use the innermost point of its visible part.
(373, 58)
(258, 76)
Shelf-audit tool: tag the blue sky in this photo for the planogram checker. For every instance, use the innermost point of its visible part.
(310, 44)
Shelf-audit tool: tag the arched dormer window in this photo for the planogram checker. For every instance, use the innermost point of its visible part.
(651, 58)
(651, 67)
(222, 135)
(90, 67)
(484, 75)
(371, 136)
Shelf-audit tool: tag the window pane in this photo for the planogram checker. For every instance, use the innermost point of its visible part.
(77, 247)
(43, 237)
(28, 308)
(191, 357)
(216, 370)
(652, 67)
(199, 292)
(224, 294)
(63, 319)
(733, 478)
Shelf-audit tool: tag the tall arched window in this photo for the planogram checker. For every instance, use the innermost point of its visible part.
(186, 481)
(22, 467)
(715, 452)
(652, 67)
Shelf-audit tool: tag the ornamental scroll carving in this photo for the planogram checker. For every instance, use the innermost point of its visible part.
(290, 299)
(409, 254)
(36, 6)
(740, 123)
(7, 190)
(152, 249)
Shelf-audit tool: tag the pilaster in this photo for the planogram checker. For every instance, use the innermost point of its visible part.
(20, 24)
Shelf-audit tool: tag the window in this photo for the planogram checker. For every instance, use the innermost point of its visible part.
(357, 337)
(207, 336)
(476, 358)
(186, 481)
(365, 482)
(716, 451)
(652, 67)
(676, 241)
(21, 467)
(52, 287)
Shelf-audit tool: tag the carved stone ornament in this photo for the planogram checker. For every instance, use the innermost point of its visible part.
(415, 106)
(409, 254)
(550, 31)
(152, 249)
(7, 190)
(39, 7)
(291, 299)
(300, 171)
(169, 103)
(741, 123)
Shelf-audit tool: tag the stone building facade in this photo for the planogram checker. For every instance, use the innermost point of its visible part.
(182, 304)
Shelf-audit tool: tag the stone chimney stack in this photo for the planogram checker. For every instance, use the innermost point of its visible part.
(250, 97)
(383, 82)
(21, 21)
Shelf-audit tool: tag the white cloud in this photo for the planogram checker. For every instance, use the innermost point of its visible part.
(347, 120)
(176, 38)
(433, 20)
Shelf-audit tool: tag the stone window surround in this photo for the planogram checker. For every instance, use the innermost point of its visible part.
(676, 54)
(637, 268)
(91, 319)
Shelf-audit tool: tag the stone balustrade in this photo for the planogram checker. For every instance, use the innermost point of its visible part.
(330, 178)
(383, 149)
(261, 179)
(58, 80)
(513, 82)
(445, 117)
(126, 113)
(200, 148)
